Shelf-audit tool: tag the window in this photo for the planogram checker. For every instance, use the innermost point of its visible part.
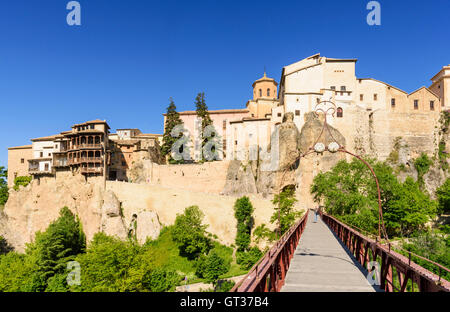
(268, 92)
(340, 112)
(124, 163)
(318, 100)
(432, 105)
(279, 114)
(22, 160)
(260, 92)
(361, 97)
(416, 104)
(297, 112)
(343, 88)
(375, 96)
(333, 88)
(42, 154)
(392, 103)
(92, 126)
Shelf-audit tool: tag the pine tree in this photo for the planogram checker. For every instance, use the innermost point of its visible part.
(172, 120)
(202, 112)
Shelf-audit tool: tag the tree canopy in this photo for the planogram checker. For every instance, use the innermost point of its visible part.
(174, 138)
(349, 192)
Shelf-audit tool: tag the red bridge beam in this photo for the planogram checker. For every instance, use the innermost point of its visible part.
(269, 273)
(405, 269)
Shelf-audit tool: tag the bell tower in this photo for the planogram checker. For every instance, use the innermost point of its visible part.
(264, 97)
(265, 88)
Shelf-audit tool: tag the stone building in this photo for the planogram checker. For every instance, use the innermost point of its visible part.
(88, 149)
(372, 115)
(18, 162)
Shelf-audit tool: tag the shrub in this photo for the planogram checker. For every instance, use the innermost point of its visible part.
(161, 279)
(422, 165)
(285, 214)
(243, 210)
(21, 181)
(349, 192)
(190, 234)
(210, 267)
(52, 249)
(248, 258)
(443, 197)
(224, 285)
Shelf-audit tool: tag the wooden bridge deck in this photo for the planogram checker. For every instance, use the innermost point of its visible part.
(321, 263)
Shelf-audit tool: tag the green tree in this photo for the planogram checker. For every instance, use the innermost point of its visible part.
(3, 186)
(54, 248)
(422, 165)
(106, 265)
(212, 266)
(243, 210)
(174, 137)
(190, 234)
(409, 210)
(285, 214)
(161, 280)
(349, 193)
(17, 273)
(443, 197)
(433, 246)
(210, 139)
(248, 258)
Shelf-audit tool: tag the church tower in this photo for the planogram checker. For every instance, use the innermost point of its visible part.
(265, 88)
(264, 97)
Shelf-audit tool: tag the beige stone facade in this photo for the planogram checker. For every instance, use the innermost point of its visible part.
(18, 162)
(370, 114)
(88, 149)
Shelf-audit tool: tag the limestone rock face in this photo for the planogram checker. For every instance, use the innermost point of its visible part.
(312, 164)
(240, 179)
(147, 226)
(140, 171)
(289, 142)
(112, 222)
(34, 207)
(111, 205)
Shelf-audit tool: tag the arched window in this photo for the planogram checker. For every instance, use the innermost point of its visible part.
(268, 92)
(340, 112)
(260, 92)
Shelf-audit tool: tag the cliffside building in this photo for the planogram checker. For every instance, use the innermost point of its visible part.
(88, 149)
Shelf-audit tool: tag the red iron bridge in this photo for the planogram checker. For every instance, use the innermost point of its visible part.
(329, 255)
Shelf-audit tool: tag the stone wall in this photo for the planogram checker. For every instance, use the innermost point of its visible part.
(168, 202)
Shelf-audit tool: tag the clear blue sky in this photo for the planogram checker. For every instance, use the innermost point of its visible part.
(128, 56)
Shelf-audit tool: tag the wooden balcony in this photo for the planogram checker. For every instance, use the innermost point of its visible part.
(91, 159)
(60, 164)
(92, 170)
(85, 146)
(36, 171)
(89, 146)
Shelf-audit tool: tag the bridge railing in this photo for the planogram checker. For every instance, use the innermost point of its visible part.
(269, 273)
(395, 270)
